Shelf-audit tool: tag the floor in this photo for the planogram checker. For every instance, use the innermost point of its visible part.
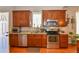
(70, 49)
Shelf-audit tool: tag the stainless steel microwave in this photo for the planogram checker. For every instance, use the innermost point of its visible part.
(52, 23)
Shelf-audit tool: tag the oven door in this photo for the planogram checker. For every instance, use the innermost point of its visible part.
(53, 41)
(53, 38)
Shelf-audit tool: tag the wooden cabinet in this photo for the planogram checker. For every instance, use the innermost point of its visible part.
(13, 39)
(44, 41)
(63, 38)
(77, 46)
(36, 40)
(32, 40)
(21, 18)
(59, 15)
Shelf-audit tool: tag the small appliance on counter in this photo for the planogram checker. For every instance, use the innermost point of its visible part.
(15, 30)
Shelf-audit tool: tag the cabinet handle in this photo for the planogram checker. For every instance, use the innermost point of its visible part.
(6, 35)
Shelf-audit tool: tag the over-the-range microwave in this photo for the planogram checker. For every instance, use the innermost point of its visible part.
(52, 23)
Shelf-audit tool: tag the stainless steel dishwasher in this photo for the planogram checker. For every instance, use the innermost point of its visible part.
(22, 41)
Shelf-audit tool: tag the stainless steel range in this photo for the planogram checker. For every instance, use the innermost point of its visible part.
(52, 34)
(52, 39)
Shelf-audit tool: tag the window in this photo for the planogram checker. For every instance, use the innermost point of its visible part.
(36, 22)
(77, 22)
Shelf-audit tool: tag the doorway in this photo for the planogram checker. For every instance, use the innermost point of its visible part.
(4, 32)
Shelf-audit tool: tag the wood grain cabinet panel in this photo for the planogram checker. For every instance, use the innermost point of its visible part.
(13, 39)
(36, 40)
(63, 38)
(29, 40)
(59, 15)
(21, 18)
(77, 46)
(44, 41)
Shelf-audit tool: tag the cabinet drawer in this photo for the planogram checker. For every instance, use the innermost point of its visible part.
(64, 40)
(34, 36)
(30, 35)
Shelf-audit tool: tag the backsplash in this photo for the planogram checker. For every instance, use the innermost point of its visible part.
(28, 29)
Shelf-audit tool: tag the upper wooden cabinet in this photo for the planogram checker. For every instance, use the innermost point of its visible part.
(21, 18)
(59, 15)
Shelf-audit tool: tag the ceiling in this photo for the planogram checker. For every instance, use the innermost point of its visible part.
(36, 8)
(32, 8)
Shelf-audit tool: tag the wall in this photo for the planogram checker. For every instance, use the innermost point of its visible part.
(71, 11)
(77, 22)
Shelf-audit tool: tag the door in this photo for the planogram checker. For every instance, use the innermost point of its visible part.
(4, 39)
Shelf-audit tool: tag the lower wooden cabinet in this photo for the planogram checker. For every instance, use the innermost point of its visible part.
(13, 39)
(77, 46)
(33, 40)
(39, 40)
(36, 40)
(63, 38)
(44, 41)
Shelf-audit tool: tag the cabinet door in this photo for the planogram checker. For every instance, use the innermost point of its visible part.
(34, 40)
(16, 18)
(63, 38)
(77, 46)
(37, 40)
(21, 18)
(44, 41)
(29, 40)
(24, 18)
(13, 40)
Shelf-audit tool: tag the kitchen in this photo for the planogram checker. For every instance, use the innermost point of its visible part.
(41, 29)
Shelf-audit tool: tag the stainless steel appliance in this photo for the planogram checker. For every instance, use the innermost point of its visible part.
(52, 39)
(52, 34)
(52, 23)
(22, 40)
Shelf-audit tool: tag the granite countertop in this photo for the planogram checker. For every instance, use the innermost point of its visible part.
(28, 33)
(78, 39)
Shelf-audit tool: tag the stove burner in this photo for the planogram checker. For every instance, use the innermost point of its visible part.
(52, 32)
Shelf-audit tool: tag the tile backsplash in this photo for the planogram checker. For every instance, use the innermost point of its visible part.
(28, 29)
